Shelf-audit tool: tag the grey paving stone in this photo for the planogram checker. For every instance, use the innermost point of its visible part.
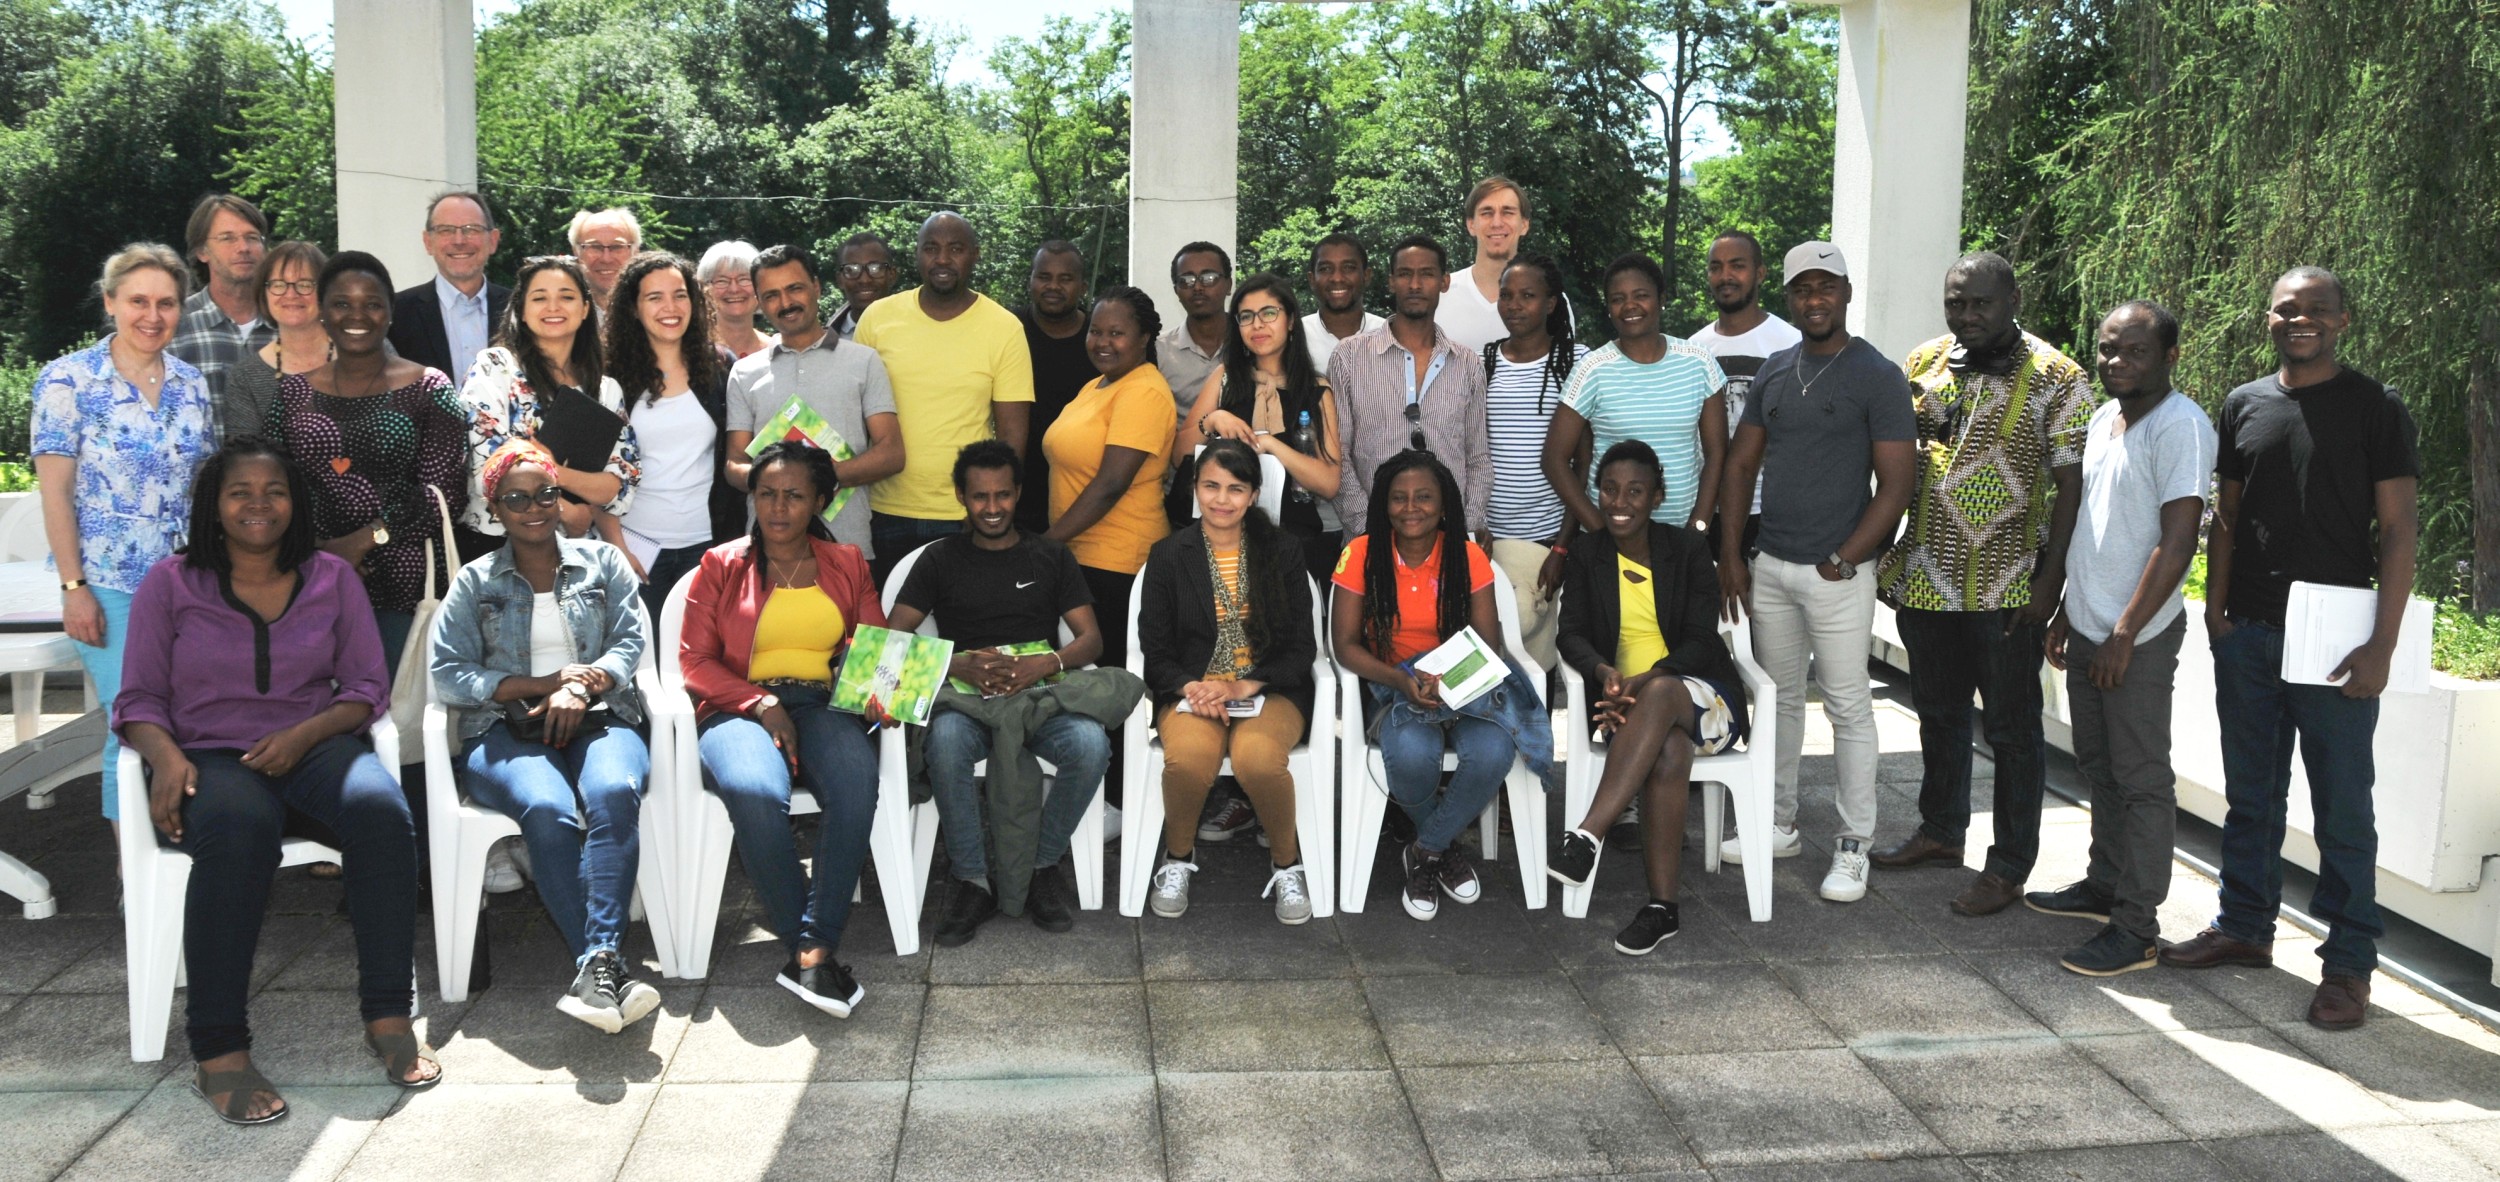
(1443, 1021)
(2074, 1005)
(60, 1042)
(323, 1129)
(1033, 1032)
(305, 1038)
(325, 960)
(1588, 945)
(1705, 1008)
(1785, 1106)
(1290, 1125)
(1805, 926)
(1916, 1169)
(1913, 1000)
(1542, 1120)
(765, 1035)
(1487, 937)
(744, 953)
(2433, 1069)
(1013, 1130)
(542, 1132)
(1234, 942)
(42, 1132)
(1202, 1026)
(513, 1034)
(733, 1131)
(2235, 1083)
(1011, 951)
(2479, 1140)
(1927, 894)
(2002, 1097)
(2281, 994)
(39, 949)
(2405, 1153)
(2174, 1161)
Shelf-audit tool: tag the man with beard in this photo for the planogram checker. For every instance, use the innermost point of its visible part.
(1054, 333)
(961, 373)
(864, 272)
(1407, 385)
(1340, 275)
(1202, 280)
(2001, 422)
(844, 381)
(1742, 338)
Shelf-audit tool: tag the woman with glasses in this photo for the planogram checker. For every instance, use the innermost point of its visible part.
(1107, 460)
(659, 352)
(727, 277)
(544, 379)
(284, 289)
(1267, 395)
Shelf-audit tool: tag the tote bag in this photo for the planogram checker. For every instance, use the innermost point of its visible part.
(408, 690)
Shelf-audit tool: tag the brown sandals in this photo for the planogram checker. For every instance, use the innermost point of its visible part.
(398, 1053)
(239, 1085)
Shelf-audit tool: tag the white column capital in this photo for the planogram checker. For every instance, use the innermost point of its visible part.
(405, 73)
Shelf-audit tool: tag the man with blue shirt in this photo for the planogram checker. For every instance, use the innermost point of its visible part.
(445, 324)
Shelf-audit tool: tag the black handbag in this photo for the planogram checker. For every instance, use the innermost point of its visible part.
(532, 728)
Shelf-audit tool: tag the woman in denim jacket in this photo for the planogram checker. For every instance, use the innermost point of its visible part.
(535, 646)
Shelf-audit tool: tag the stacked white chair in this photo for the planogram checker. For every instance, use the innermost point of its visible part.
(155, 881)
(26, 657)
(1747, 776)
(1366, 801)
(1313, 764)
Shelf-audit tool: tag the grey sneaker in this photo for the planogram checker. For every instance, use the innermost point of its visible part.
(595, 995)
(1168, 894)
(1293, 899)
(503, 874)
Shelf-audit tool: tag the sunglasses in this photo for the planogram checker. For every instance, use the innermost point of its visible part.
(516, 500)
(1414, 426)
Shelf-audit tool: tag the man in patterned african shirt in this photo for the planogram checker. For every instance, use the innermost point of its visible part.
(2001, 422)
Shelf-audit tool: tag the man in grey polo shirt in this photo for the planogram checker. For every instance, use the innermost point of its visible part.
(842, 380)
(1824, 415)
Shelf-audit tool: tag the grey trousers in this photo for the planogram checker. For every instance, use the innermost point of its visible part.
(2122, 746)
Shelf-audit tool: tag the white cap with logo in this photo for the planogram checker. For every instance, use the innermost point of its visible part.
(1813, 256)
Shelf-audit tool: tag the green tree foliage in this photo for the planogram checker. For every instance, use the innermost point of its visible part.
(286, 156)
(1063, 119)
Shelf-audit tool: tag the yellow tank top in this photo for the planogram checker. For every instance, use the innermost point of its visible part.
(796, 635)
(1639, 645)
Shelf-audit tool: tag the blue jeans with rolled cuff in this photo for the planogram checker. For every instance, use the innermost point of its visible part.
(1410, 752)
(580, 809)
(752, 779)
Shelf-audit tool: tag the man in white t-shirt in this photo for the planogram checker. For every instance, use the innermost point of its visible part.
(1742, 338)
(1497, 218)
(1340, 274)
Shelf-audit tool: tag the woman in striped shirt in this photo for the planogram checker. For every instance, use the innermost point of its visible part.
(1525, 376)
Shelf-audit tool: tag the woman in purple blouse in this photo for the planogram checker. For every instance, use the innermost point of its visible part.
(230, 755)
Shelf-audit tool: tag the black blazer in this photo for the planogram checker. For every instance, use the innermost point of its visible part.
(417, 326)
(1687, 586)
(1176, 623)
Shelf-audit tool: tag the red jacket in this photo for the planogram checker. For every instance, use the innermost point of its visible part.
(728, 594)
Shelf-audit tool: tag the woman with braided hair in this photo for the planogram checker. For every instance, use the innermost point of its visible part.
(1525, 374)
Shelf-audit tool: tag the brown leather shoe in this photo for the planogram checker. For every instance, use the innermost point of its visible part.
(2211, 949)
(1987, 895)
(1918, 849)
(2341, 1002)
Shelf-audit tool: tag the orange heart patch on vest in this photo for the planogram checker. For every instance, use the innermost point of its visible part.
(340, 465)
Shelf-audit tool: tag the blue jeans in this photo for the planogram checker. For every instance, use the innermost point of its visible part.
(583, 848)
(2261, 715)
(751, 777)
(1410, 751)
(104, 668)
(893, 537)
(1953, 654)
(1075, 745)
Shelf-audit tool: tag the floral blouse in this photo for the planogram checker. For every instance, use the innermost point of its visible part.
(501, 407)
(135, 463)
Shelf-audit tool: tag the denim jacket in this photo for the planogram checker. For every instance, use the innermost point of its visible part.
(482, 633)
(1513, 706)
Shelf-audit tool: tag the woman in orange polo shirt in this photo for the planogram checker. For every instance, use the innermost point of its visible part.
(1108, 452)
(1415, 541)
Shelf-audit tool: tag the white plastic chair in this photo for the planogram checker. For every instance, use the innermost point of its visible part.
(1366, 803)
(1747, 776)
(155, 883)
(1313, 764)
(459, 836)
(702, 836)
(1272, 482)
(26, 657)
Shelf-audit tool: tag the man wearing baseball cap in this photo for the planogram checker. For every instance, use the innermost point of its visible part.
(1825, 416)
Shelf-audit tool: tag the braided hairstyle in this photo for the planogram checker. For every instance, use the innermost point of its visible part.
(1380, 587)
(1269, 556)
(631, 360)
(1149, 321)
(1561, 349)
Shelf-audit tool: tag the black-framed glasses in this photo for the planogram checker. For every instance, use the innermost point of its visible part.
(1267, 315)
(1414, 426)
(864, 270)
(291, 286)
(1200, 278)
(516, 500)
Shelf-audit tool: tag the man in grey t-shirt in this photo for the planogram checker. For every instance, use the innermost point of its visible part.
(840, 379)
(1824, 417)
(2147, 460)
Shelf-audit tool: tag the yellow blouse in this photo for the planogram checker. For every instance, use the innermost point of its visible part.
(1639, 645)
(796, 635)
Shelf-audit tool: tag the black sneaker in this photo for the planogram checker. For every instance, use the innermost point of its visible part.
(2079, 900)
(2112, 952)
(1625, 833)
(1574, 860)
(972, 906)
(1654, 925)
(1048, 900)
(594, 995)
(828, 986)
(1458, 877)
(1422, 895)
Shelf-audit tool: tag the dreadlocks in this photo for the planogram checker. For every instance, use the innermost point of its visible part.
(1380, 587)
(1559, 353)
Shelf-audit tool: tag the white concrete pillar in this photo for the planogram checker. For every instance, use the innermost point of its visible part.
(1184, 136)
(406, 78)
(1897, 162)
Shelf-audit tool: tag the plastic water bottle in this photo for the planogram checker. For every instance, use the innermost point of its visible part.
(1304, 440)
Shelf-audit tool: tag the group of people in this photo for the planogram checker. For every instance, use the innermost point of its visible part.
(276, 470)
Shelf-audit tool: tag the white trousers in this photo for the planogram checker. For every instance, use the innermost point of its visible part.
(1799, 616)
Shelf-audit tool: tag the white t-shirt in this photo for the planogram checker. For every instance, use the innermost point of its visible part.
(551, 642)
(673, 504)
(1323, 344)
(2127, 477)
(1740, 357)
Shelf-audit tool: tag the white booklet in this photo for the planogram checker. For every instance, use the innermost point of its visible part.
(1466, 665)
(2322, 624)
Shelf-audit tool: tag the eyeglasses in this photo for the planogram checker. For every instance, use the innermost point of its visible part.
(516, 500)
(864, 270)
(606, 248)
(472, 230)
(1267, 315)
(732, 283)
(229, 240)
(1200, 279)
(1414, 427)
(290, 286)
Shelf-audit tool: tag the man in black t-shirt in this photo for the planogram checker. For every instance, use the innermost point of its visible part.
(991, 587)
(2313, 460)
(1054, 331)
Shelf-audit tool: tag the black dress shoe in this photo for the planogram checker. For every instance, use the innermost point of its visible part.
(972, 906)
(1049, 901)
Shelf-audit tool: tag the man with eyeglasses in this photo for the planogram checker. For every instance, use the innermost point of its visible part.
(864, 270)
(226, 237)
(1407, 384)
(445, 324)
(1202, 280)
(605, 240)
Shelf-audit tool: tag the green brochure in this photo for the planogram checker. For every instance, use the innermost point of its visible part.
(800, 421)
(900, 669)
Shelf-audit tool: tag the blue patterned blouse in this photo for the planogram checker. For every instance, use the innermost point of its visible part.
(134, 463)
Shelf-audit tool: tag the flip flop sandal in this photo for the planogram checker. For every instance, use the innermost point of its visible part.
(399, 1052)
(326, 871)
(239, 1085)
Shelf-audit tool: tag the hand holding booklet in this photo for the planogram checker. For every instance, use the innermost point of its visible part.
(901, 670)
(2322, 624)
(799, 421)
(1466, 665)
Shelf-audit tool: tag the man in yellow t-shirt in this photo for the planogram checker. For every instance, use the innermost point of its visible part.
(958, 364)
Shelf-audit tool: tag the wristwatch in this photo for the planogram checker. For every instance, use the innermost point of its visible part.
(763, 705)
(381, 535)
(1848, 570)
(72, 585)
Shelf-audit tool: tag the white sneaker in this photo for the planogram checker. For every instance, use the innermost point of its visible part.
(1111, 824)
(1784, 844)
(1169, 892)
(1847, 881)
(1293, 896)
(503, 876)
